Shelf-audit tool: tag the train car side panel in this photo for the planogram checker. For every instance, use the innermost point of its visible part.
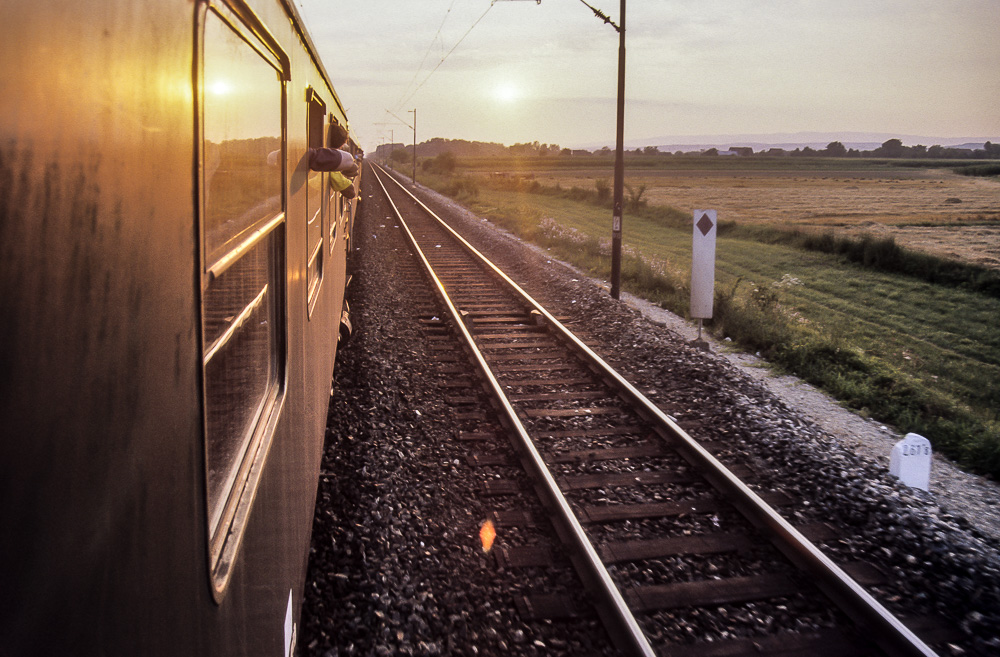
(153, 511)
(100, 400)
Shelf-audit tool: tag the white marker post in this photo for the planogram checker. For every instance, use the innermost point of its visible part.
(703, 268)
(910, 460)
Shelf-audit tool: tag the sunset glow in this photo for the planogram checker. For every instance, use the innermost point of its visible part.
(913, 67)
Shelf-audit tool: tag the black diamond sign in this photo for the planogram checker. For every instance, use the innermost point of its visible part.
(705, 225)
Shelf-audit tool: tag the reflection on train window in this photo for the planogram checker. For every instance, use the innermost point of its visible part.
(315, 214)
(240, 367)
(242, 127)
(243, 281)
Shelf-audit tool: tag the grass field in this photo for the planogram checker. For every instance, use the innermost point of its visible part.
(924, 357)
(932, 210)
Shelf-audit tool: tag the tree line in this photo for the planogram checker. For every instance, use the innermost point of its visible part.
(892, 148)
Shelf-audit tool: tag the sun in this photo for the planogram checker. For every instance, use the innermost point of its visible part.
(506, 92)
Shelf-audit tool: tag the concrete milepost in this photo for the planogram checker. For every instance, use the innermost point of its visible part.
(703, 268)
(910, 460)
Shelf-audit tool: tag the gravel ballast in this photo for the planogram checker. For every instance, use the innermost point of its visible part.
(396, 567)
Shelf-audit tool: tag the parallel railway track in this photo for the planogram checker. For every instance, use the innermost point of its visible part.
(665, 538)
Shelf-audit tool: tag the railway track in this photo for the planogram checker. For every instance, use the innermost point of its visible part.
(680, 555)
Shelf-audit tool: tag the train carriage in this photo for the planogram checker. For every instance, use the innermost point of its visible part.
(172, 289)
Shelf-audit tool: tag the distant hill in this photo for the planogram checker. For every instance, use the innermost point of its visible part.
(457, 147)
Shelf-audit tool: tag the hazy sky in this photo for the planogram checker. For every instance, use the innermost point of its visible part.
(548, 72)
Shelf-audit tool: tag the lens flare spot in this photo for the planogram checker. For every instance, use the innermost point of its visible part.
(487, 534)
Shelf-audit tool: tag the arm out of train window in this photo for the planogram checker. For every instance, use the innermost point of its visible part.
(331, 159)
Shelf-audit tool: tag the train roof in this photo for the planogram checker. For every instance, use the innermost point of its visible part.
(300, 27)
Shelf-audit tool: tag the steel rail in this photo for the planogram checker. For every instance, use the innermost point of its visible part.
(618, 617)
(887, 630)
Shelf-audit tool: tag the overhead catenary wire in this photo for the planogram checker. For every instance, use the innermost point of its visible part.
(457, 44)
(403, 97)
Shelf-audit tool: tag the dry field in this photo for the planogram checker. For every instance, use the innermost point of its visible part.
(924, 209)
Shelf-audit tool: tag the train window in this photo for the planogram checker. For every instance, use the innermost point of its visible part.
(243, 228)
(315, 206)
(334, 206)
(331, 192)
(345, 211)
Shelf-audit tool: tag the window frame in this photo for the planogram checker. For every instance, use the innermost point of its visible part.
(332, 195)
(316, 135)
(225, 537)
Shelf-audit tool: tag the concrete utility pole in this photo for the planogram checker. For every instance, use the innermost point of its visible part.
(619, 191)
(414, 127)
(616, 220)
(414, 112)
(392, 139)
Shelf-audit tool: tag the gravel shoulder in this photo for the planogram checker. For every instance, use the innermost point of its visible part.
(953, 489)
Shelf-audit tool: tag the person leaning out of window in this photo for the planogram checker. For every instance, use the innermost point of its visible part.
(339, 163)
